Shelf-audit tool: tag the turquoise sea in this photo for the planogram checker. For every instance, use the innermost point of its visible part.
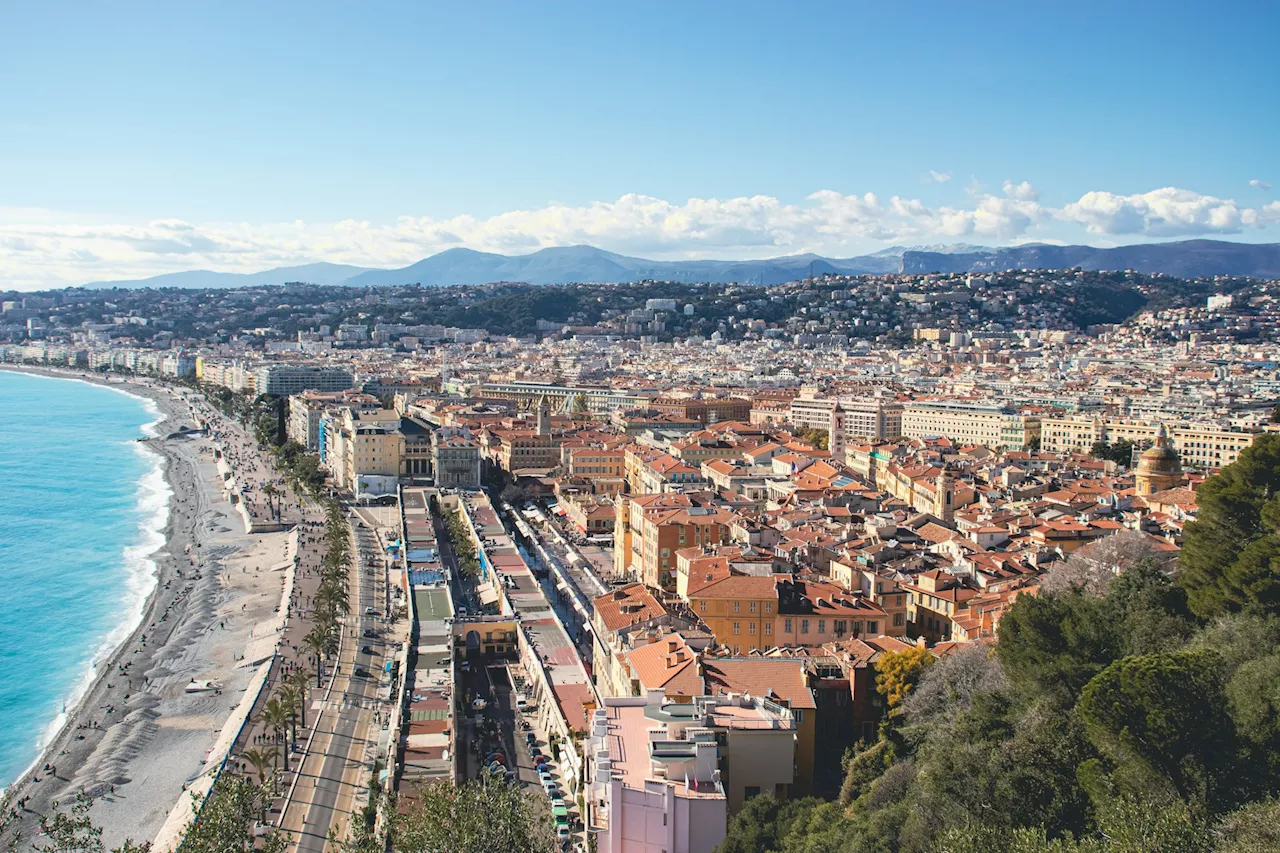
(82, 506)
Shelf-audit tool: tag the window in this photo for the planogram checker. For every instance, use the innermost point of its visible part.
(768, 628)
(751, 627)
(804, 626)
(873, 627)
(702, 606)
(787, 625)
(840, 627)
(752, 607)
(737, 627)
(737, 606)
(768, 607)
(899, 619)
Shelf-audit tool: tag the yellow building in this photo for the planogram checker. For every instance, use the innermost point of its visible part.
(1197, 445)
(740, 610)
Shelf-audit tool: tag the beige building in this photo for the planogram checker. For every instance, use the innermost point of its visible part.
(455, 458)
(1197, 445)
(367, 451)
(988, 424)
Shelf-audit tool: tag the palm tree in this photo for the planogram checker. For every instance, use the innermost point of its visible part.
(333, 598)
(292, 700)
(276, 715)
(261, 759)
(271, 492)
(301, 682)
(317, 641)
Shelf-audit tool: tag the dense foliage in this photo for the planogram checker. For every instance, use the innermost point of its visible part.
(1118, 713)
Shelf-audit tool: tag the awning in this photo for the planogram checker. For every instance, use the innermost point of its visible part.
(488, 595)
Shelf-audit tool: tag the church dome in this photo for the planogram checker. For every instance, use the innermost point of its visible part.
(1160, 459)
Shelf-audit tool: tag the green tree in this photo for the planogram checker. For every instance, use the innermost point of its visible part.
(1164, 713)
(479, 816)
(275, 715)
(1055, 643)
(1230, 557)
(764, 823)
(898, 672)
(1252, 829)
(261, 759)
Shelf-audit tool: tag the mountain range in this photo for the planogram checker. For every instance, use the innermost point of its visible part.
(561, 265)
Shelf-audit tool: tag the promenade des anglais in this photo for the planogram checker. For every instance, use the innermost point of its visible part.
(659, 428)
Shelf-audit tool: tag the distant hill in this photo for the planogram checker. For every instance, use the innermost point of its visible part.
(1188, 259)
(566, 264)
(318, 273)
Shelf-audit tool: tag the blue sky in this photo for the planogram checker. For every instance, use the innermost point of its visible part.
(148, 137)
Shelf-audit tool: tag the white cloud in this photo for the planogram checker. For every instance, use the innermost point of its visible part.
(49, 249)
(1022, 192)
(1259, 184)
(939, 177)
(1167, 212)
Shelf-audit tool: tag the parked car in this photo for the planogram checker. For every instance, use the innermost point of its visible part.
(366, 650)
(549, 786)
(562, 833)
(369, 632)
(361, 672)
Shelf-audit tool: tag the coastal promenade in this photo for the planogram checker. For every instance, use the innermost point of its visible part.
(181, 701)
(146, 727)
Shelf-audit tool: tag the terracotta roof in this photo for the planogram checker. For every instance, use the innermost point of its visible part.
(779, 679)
(626, 606)
(668, 663)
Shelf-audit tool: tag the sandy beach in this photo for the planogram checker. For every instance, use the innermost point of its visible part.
(142, 732)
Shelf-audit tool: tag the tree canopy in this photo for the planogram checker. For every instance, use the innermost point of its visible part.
(1230, 557)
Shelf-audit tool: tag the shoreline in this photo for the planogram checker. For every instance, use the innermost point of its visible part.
(115, 734)
(146, 575)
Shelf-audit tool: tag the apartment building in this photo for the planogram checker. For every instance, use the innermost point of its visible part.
(705, 410)
(302, 421)
(863, 417)
(561, 397)
(365, 449)
(740, 610)
(1198, 445)
(658, 532)
(455, 458)
(653, 780)
(665, 776)
(990, 424)
(282, 380)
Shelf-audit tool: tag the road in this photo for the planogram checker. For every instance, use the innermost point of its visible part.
(335, 771)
